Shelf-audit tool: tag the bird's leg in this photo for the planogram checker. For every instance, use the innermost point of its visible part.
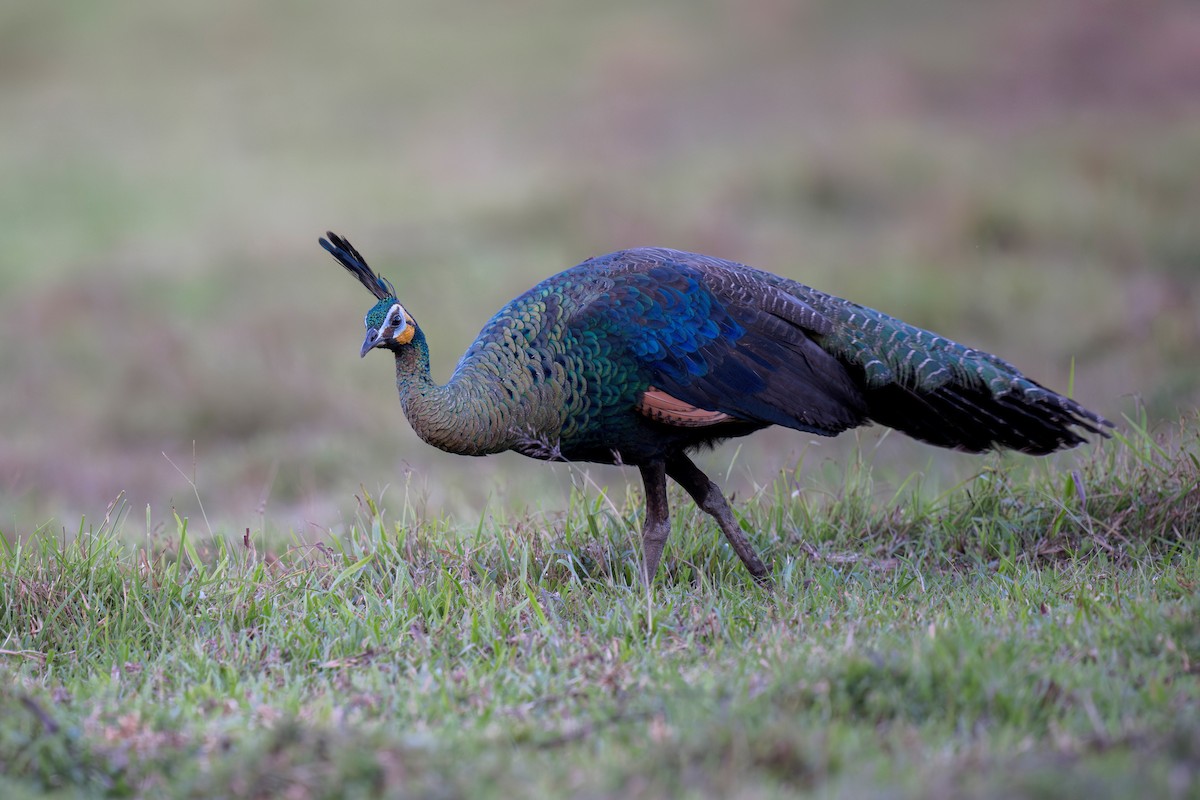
(708, 496)
(657, 525)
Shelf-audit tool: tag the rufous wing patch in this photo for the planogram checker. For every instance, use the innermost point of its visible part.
(662, 407)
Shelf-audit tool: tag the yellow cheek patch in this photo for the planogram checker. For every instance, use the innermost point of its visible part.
(405, 336)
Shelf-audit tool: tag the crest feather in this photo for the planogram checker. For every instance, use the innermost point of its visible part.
(352, 260)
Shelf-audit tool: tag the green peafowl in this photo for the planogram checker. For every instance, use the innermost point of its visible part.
(640, 356)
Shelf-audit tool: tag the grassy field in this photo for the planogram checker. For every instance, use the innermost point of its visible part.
(1030, 634)
(318, 604)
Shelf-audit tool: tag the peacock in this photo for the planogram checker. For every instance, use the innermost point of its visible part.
(642, 356)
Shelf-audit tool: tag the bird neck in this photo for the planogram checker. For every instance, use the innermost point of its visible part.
(452, 417)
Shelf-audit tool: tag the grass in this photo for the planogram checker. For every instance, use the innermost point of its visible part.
(1032, 632)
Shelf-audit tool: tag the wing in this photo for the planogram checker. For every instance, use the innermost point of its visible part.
(711, 336)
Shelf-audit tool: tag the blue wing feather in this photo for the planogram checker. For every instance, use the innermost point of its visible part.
(699, 344)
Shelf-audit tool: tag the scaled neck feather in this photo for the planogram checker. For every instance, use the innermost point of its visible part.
(453, 417)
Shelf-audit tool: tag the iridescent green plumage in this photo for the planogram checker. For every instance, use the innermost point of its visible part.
(374, 317)
(641, 355)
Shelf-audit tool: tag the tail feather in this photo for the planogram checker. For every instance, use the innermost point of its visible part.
(959, 421)
(974, 419)
(947, 394)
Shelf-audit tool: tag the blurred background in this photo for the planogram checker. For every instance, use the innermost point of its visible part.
(1018, 175)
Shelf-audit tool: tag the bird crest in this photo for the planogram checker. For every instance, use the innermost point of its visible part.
(352, 260)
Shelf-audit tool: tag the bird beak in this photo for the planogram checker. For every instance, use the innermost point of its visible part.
(370, 342)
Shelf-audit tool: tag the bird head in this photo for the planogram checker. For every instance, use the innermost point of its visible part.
(388, 324)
